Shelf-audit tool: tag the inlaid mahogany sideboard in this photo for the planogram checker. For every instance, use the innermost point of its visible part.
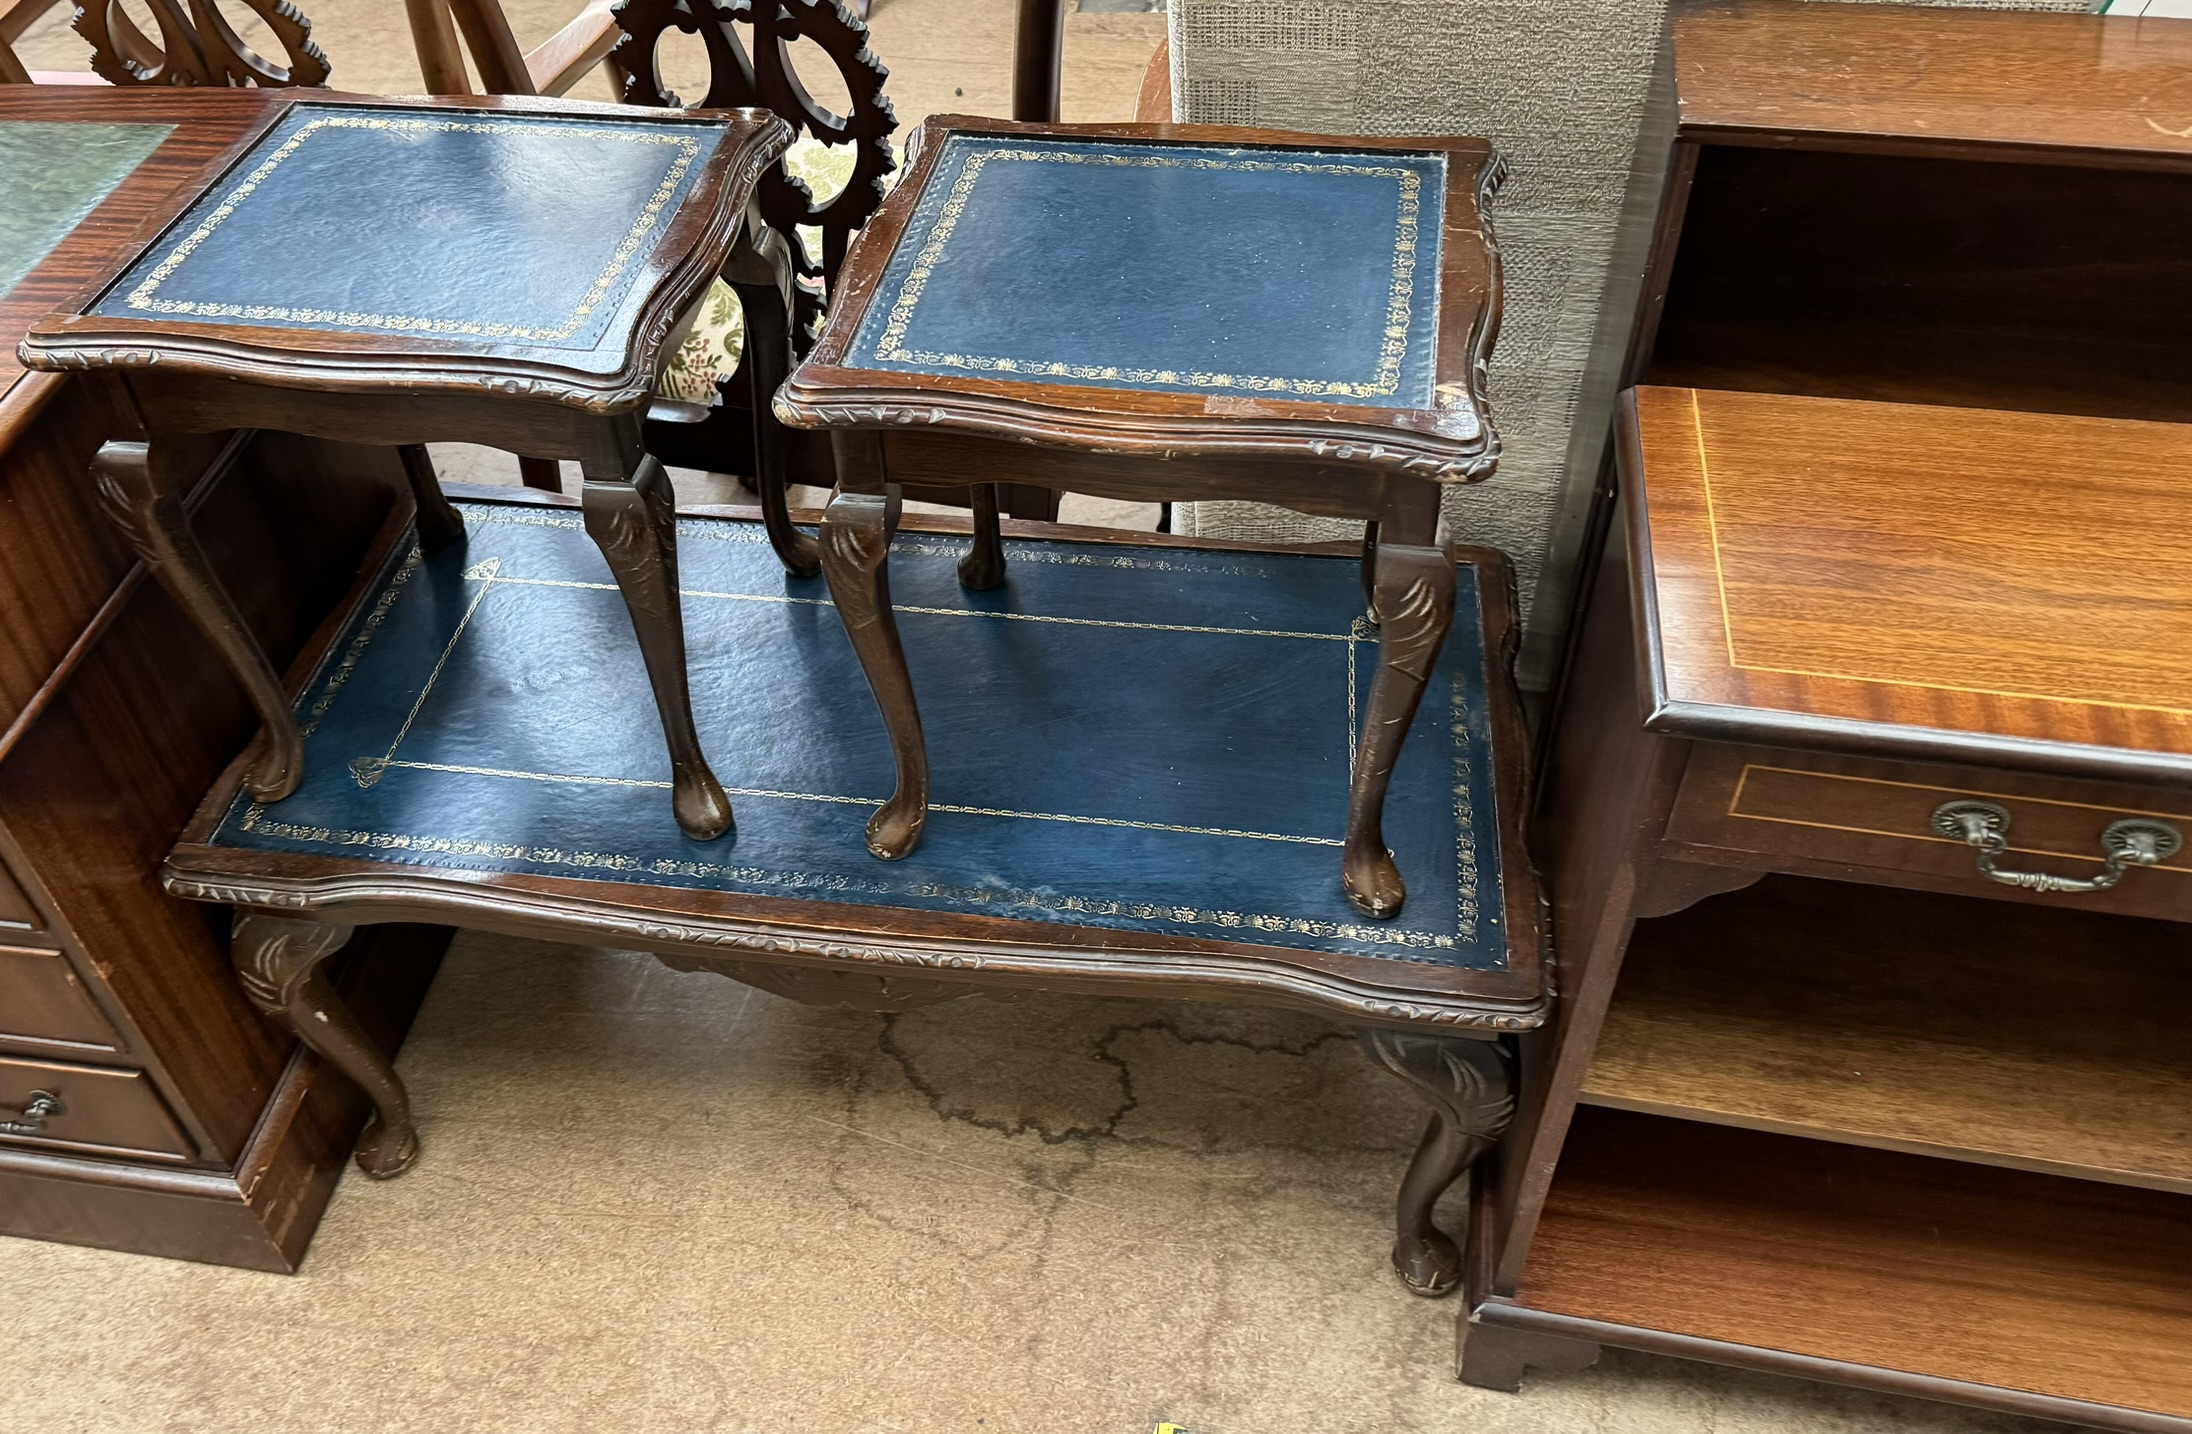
(175, 1120)
(1868, 786)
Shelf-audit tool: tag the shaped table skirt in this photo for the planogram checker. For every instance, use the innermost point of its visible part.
(1139, 749)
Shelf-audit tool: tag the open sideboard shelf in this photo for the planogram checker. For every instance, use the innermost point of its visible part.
(1949, 1026)
(1897, 517)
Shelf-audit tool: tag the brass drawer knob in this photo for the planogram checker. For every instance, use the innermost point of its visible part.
(2134, 841)
(43, 1104)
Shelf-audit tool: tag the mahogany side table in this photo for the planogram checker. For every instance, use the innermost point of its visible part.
(1165, 312)
(507, 272)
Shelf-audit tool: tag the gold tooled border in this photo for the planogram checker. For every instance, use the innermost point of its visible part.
(1400, 300)
(1469, 915)
(142, 296)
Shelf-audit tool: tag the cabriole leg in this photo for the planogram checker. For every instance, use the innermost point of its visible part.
(1414, 603)
(768, 360)
(439, 523)
(984, 565)
(856, 535)
(140, 487)
(1469, 1088)
(281, 964)
(634, 522)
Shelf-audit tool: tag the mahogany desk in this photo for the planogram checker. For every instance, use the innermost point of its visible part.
(192, 1127)
(1901, 523)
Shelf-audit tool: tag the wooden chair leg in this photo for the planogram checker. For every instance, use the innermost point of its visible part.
(439, 523)
(1471, 1094)
(543, 473)
(140, 487)
(856, 534)
(768, 360)
(1414, 600)
(983, 567)
(634, 522)
(280, 962)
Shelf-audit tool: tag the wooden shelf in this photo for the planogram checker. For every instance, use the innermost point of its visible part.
(1996, 1032)
(1968, 282)
(1936, 1268)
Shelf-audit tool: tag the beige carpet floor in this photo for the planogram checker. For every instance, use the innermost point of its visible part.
(663, 1203)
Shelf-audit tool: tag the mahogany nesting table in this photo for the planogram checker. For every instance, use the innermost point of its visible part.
(1102, 837)
(1160, 312)
(506, 272)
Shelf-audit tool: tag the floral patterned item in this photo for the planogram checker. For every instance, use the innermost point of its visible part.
(711, 351)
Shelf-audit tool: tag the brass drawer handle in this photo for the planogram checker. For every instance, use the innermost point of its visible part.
(2134, 841)
(43, 1103)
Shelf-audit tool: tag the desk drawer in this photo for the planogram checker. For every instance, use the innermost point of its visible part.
(16, 912)
(1804, 811)
(100, 1108)
(41, 999)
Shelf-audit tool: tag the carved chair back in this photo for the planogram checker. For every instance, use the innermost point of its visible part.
(764, 73)
(197, 44)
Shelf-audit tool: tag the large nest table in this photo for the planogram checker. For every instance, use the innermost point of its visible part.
(482, 752)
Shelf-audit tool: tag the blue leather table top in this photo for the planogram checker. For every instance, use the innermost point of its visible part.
(1152, 740)
(1174, 268)
(496, 231)
(53, 175)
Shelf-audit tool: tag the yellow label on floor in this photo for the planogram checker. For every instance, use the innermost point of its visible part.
(1171, 1429)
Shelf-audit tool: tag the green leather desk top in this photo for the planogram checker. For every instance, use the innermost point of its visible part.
(53, 175)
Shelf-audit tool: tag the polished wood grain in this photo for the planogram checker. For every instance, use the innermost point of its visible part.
(1038, 52)
(95, 780)
(60, 559)
(105, 1110)
(2066, 1288)
(1757, 70)
(1782, 809)
(1944, 571)
(44, 1003)
(211, 125)
(1998, 1277)
(1948, 211)
(1601, 804)
(1957, 1027)
(259, 1212)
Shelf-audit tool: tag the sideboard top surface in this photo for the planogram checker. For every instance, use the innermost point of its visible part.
(1954, 77)
(1981, 576)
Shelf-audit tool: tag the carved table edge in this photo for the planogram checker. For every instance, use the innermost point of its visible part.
(1146, 435)
(357, 902)
(79, 342)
